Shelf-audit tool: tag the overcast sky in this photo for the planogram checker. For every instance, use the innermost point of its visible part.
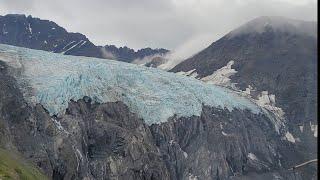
(172, 24)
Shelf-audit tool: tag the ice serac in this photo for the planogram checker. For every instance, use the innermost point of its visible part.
(155, 95)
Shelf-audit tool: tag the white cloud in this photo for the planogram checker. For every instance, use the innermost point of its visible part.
(190, 47)
(173, 24)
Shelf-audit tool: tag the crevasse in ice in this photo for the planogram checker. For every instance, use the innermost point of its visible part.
(155, 95)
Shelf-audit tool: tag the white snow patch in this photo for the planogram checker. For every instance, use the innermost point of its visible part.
(57, 123)
(223, 133)
(59, 126)
(248, 91)
(265, 99)
(171, 142)
(73, 46)
(252, 156)
(45, 42)
(185, 154)
(221, 125)
(4, 29)
(301, 128)
(53, 28)
(68, 44)
(83, 43)
(192, 177)
(80, 155)
(221, 76)
(29, 28)
(290, 137)
(314, 129)
(268, 101)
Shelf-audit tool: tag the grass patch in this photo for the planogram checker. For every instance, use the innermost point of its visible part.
(13, 167)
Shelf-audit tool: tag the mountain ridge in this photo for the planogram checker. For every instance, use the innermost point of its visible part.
(277, 24)
(269, 64)
(35, 33)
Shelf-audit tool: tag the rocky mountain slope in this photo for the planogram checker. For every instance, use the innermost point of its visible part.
(104, 119)
(35, 33)
(272, 60)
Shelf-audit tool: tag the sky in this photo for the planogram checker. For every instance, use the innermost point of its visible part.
(185, 26)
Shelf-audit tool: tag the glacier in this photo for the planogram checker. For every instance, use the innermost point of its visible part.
(52, 80)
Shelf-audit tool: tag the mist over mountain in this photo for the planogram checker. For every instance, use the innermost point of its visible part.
(277, 24)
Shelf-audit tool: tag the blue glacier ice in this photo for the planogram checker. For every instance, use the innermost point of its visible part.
(155, 95)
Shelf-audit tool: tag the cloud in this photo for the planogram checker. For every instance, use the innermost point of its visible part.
(188, 48)
(180, 25)
(18, 5)
(106, 54)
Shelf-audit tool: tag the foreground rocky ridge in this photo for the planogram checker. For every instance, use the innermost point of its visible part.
(108, 141)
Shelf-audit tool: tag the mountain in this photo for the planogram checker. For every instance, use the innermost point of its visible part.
(274, 61)
(35, 33)
(128, 55)
(88, 118)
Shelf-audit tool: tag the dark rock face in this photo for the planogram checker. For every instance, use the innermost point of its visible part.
(34, 33)
(107, 141)
(282, 63)
(128, 55)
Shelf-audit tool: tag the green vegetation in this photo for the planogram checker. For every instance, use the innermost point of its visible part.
(13, 167)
